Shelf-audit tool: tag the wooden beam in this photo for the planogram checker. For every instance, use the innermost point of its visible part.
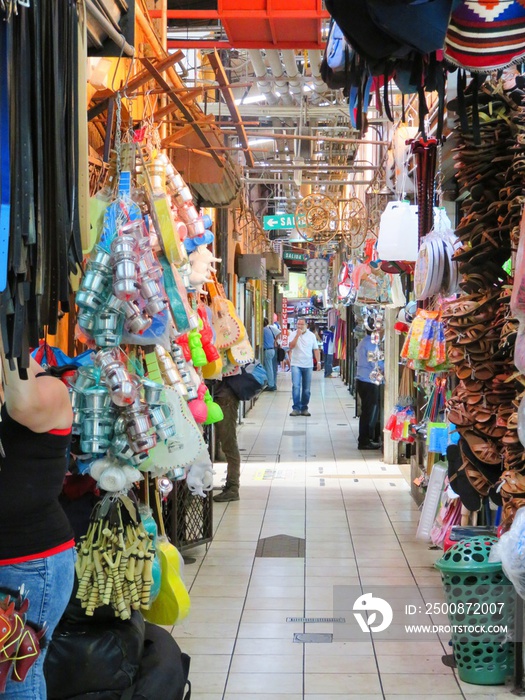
(188, 129)
(141, 79)
(223, 81)
(192, 150)
(182, 108)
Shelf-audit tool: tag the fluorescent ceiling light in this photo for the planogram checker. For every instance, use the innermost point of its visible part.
(250, 100)
(255, 142)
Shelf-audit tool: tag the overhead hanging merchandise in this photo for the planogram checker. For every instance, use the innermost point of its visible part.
(139, 407)
(397, 42)
(39, 222)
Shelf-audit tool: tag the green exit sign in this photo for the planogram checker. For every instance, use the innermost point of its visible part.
(281, 221)
(287, 255)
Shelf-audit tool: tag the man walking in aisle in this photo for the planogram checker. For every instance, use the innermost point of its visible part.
(269, 335)
(303, 347)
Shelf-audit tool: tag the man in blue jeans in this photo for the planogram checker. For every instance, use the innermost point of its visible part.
(303, 346)
(269, 335)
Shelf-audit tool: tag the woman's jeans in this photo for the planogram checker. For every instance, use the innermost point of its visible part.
(48, 584)
(269, 358)
(301, 381)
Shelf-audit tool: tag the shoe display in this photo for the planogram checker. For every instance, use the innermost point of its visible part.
(229, 494)
(295, 413)
(305, 413)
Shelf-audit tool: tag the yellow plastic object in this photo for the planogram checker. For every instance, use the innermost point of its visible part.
(213, 370)
(174, 251)
(173, 601)
(97, 209)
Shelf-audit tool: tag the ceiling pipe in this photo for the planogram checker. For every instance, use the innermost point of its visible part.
(318, 183)
(278, 73)
(320, 87)
(294, 81)
(259, 68)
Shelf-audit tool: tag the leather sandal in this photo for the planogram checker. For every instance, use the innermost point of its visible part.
(490, 430)
(485, 450)
(460, 416)
(478, 480)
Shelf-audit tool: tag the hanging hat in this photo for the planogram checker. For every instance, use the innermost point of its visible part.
(485, 36)
(369, 324)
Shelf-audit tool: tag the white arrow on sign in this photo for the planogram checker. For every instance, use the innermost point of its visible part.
(272, 222)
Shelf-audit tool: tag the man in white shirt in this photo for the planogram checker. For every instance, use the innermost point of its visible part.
(303, 346)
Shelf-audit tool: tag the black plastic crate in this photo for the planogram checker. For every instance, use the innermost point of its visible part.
(188, 519)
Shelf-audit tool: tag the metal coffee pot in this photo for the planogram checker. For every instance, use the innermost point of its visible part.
(124, 257)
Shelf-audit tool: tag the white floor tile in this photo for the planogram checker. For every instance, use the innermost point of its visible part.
(359, 528)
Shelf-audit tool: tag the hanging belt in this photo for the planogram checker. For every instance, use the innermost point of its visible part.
(5, 156)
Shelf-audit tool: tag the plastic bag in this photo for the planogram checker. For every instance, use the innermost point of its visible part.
(157, 334)
(511, 550)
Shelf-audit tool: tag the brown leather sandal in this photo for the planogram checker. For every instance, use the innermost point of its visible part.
(485, 450)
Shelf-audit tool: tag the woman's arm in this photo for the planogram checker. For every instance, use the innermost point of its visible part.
(39, 403)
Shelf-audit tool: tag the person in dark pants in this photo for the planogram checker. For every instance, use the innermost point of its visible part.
(270, 363)
(226, 432)
(328, 349)
(367, 390)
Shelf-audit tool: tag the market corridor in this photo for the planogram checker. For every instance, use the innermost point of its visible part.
(304, 477)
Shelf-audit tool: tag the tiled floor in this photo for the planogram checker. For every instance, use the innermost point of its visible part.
(304, 477)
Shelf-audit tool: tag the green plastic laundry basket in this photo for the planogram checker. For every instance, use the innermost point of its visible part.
(478, 595)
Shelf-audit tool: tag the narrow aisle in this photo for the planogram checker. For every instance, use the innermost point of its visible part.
(348, 520)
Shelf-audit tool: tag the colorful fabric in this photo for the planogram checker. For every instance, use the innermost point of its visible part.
(486, 34)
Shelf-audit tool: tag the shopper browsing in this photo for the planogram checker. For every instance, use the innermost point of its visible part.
(303, 348)
(37, 543)
(226, 431)
(328, 349)
(367, 390)
(270, 333)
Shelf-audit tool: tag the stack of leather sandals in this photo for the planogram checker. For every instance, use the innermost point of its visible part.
(479, 329)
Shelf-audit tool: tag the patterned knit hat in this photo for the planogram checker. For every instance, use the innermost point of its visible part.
(486, 34)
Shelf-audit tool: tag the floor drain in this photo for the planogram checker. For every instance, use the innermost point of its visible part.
(311, 620)
(281, 546)
(313, 638)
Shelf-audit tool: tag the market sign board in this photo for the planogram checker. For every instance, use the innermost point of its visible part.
(289, 255)
(282, 221)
